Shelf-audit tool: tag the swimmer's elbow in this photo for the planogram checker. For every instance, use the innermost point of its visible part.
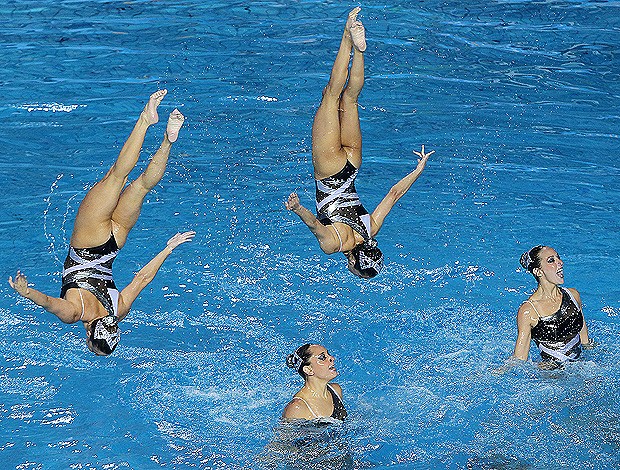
(142, 279)
(393, 195)
(396, 193)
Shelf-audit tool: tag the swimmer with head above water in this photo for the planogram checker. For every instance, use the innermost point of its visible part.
(552, 316)
(105, 217)
(343, 224)
(317, 398)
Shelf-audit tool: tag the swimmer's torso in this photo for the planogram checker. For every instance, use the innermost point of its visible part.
(556, 331)
(90, 270)
(338, 204)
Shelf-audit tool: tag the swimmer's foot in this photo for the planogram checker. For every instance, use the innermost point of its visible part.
(352, 18)
(175, 121)
(150, 110)
(358, 35)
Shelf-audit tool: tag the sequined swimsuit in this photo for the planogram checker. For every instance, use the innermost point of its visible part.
(557, 335)
(91, 269)
(337, 201)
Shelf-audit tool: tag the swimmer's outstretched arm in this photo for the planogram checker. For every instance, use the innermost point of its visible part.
(147, 273)
(327, 240)
(63, 309)
(397, 191)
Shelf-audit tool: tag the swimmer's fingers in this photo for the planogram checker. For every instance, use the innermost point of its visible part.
(424, 155)
(589, 345)
(293, 202)
(423, 159)
(180, 238)
(20, 284)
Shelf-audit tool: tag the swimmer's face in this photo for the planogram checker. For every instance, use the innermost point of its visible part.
(322, 363)
(551, 266)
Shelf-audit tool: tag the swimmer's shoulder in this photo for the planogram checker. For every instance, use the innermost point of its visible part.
(72, 307)
(528, 313)
(296, 409)
(337, 388)
(575, 293)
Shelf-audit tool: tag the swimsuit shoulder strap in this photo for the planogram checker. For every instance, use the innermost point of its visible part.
(309, 407)
(335, 395)
(572, 297)
(82, 300)
(534, 307)
(338, 235)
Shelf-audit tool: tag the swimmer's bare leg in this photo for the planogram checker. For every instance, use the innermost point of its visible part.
(129, 205)
(93, 223)
(350, 130)
(328, 157)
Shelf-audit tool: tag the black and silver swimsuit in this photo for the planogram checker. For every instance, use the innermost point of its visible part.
(337, 201)
(91, 269)
(339, 410)
(557, 335)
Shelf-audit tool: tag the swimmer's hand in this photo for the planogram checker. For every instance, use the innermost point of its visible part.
(511, 362)
(293, 204)
(423, 158)
(591, 344)
(179, 239)
(549, 365)
(20, 284)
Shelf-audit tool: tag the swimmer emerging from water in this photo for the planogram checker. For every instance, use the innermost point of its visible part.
(553, 315)
(317, 398)
(343, 225)
(104, 219)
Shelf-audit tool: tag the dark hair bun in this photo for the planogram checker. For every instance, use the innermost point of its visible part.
(291, 362)
(525, 260)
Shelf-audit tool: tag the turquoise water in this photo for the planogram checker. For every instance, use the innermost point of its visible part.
(518, 99)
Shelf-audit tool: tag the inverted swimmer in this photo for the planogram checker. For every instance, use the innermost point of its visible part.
(317, 398)
(552, 316)
(105, 217)
(343, 224)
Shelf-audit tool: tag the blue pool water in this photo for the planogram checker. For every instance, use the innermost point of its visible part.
(520, 102)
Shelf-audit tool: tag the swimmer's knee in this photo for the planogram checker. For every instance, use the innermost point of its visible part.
(350, 97)
(140, 184)
(331, 91)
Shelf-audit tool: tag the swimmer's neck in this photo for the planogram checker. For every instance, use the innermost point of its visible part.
(548, 291)
(317, 389)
